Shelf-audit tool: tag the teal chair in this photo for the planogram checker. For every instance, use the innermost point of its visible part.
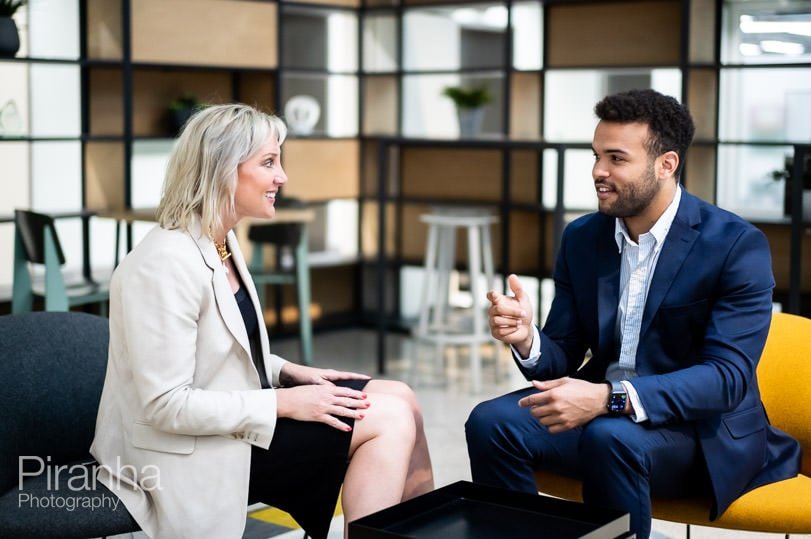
(37, 243)
(284, 237)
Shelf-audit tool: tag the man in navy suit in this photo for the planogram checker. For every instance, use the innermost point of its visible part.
(672, 296)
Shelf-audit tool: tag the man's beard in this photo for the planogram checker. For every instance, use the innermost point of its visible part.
(632, 199)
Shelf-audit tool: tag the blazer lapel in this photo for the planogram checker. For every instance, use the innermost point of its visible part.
(226, 304)
(677, 246)
(608, 284)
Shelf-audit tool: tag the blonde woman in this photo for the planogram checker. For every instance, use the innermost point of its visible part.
(197, 418)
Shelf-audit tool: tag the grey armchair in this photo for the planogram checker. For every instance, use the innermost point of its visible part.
(52, 367)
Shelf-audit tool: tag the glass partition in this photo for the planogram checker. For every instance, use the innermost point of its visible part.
(527, 26)
(572, 94)
(53, 29)
(470, 36)
(765, 31)
(380, 43)
(14, 100)
(765, 104)
(578, 186)
(751, 181)
(55, 113)
(319, 39)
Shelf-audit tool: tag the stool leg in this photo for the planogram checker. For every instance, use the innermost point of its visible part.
(475, 266)
(487, 258)
(303, 284)
(429, 278)
(447, 256)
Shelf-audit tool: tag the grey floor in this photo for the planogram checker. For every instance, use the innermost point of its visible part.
(444, 392)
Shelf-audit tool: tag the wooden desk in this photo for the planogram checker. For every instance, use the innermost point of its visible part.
(128, 216)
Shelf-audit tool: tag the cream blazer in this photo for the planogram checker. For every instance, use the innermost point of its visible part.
(182, 402)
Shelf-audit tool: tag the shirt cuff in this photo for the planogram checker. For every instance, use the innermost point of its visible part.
(534, 351)
(639, 414)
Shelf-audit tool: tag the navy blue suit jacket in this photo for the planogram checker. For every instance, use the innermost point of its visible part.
(703, 329)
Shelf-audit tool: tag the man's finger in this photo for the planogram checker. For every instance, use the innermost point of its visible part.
(549, 384)
(515, 286)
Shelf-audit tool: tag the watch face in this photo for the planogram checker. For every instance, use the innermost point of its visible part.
(616, 402)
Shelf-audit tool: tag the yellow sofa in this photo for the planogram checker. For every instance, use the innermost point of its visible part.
(784, 375)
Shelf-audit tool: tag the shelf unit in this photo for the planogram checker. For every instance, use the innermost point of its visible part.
(378, 66)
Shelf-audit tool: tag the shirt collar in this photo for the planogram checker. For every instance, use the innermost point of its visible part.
(659, 229)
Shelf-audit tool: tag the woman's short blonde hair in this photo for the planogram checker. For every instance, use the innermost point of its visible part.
(201, 176)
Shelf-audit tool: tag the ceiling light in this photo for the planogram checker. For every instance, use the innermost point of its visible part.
(782, 47)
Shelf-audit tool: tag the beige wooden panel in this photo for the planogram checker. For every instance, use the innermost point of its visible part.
(207, 32)
(701, 99)
(525, 232)
(104, 175)
(333, 289)
(452, 174)
(346, 3)
(525, 106)
(524, 180)
(153, 90)
(614, 33)
(780, 242)
(332, 292)
(320, 169)
(700, 172)
(104, 29)
(702, 31)
(106, 102)
(258, 90)
(380, 106)
(370, 227)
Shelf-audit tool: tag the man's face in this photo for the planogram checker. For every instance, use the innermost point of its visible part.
(624, 174)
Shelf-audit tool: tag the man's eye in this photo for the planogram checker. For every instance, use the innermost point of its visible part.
(616, 158)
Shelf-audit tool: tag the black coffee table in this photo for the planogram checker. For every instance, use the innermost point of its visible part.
(464, 510)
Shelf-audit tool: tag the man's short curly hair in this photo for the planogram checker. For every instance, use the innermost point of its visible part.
(671, 126)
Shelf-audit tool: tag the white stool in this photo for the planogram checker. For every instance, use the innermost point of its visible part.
(436, 325)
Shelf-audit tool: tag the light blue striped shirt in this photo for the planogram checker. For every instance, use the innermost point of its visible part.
(638, 263)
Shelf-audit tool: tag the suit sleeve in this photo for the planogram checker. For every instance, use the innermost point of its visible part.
(562, 343)
(161, 298)
(737, 326)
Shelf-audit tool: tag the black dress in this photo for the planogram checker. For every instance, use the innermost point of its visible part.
(303, 469)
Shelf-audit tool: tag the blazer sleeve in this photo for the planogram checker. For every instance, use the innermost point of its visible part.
(735, 334)
(563, 344)
(162, 296)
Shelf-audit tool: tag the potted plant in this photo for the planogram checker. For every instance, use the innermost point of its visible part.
(9, 36)
(470, 104)
(181, 109)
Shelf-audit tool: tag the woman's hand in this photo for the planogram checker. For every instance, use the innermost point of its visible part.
(323, 402)
(293, 374)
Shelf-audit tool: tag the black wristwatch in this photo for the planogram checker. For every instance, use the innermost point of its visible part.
(617, 398)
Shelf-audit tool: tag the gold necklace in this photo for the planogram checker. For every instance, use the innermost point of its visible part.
(222, 250)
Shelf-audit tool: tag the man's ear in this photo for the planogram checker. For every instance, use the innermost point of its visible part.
(668, 163)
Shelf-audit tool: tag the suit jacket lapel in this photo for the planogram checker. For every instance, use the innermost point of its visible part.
(226, 304)
(677, 246)
(608, 281)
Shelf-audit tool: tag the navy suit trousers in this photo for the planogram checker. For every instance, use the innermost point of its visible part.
(621, 463)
